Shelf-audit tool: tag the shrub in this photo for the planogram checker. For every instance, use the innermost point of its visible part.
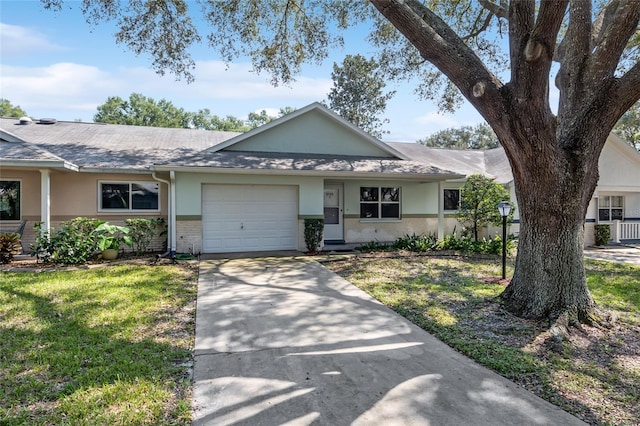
(603, 235)
(375, 246)
(142, 231)
(417, 243)
(313, 229)
(9, 246)
(74, 242)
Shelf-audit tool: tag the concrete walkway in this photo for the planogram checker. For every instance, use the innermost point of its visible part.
(620, 254)
(284, 341)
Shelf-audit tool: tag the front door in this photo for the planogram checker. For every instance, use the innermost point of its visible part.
(333, 229)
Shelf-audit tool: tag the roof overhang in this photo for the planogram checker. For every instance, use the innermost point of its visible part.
(423, 177)
(39, 164)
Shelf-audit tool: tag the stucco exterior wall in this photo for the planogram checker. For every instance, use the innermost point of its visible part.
(189, 190)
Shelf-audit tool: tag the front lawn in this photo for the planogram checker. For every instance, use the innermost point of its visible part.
(102, 346)
(595, 375)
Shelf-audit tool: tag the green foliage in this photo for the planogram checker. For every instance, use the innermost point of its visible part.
(427, 243)
(480, 197)
(480, 137)
(109, 236)
(628, 127)
(9, 110)
(9, 246)
(374, 246)
(357, 93)
(603, 234)
(73, 242)
(143, 230)
(205, 121)
(416, 243)
(140, 110)
(313, 229)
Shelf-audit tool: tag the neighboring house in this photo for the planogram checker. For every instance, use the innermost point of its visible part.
(230, 192)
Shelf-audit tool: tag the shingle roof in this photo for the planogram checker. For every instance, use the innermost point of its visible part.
(109, 146)
(242, 160)
(491, 163)
(94, 145)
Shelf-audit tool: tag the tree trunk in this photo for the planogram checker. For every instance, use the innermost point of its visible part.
(554, 184)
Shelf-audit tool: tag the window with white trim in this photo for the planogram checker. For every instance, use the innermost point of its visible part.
(379, 202)
(451, 199)
(129, 196)
(610, 207)
(10, 196)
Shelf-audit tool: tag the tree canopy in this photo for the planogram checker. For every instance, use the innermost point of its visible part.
(479, 198)
(141, 110)
(466, 137)
(498, 55)
(7, 109)
(358, 93)
(628, 127)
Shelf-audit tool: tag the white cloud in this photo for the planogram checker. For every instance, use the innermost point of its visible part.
(17, 40)
(71, 90)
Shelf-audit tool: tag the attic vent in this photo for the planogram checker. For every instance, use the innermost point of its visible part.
(47, 121)
(25, 120)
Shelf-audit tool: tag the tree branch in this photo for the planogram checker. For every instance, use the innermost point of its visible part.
(442, 47)
(620, 22)
(500, 10)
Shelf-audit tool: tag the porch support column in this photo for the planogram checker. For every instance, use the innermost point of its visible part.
(45, 200)
(173, 232)
(615, 231)
(440, 211)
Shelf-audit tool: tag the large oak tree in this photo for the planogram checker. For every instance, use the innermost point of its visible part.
(448, 47)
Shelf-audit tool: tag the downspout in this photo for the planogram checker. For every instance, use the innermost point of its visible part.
(171, 220)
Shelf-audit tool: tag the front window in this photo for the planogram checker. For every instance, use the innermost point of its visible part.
(127, 196)
(379, 202)
(610, 208)
(451, 199)
(10, 208)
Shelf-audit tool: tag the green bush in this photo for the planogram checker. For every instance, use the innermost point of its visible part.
(416, 243)
(74, 242)
(313, 229)
(142, 231)
(603, 235)
(374, 246)
(9, 246)
(420, 243)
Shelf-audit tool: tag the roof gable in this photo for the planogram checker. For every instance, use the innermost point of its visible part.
(312, 130)
(619, 163)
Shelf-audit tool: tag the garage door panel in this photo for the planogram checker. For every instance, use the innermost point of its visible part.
(249, 217)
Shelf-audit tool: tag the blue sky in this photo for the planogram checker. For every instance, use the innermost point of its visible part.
(56, 65)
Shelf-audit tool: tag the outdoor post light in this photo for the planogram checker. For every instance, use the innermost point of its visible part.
(504, 208)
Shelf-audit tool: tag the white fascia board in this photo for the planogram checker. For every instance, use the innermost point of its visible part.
(46, 164)
(322, 173)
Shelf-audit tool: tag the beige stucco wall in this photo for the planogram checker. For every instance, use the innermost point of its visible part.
(72, 195)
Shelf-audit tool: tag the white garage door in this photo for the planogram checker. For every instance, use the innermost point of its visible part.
(249, 218)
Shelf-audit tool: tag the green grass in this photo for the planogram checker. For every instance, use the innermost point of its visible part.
(101, 346)
(595, 376)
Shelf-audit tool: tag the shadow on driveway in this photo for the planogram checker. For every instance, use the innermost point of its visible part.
(283, 340)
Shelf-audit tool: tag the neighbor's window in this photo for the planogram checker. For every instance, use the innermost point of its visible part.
(10, 200)
(379, 202)
(610, 207)
(129, 196)
(451, 199)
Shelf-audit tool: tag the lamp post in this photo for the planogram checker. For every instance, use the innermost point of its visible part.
(504, 208)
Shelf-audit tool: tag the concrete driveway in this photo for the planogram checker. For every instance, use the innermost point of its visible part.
(283, 340)
(620, 254)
